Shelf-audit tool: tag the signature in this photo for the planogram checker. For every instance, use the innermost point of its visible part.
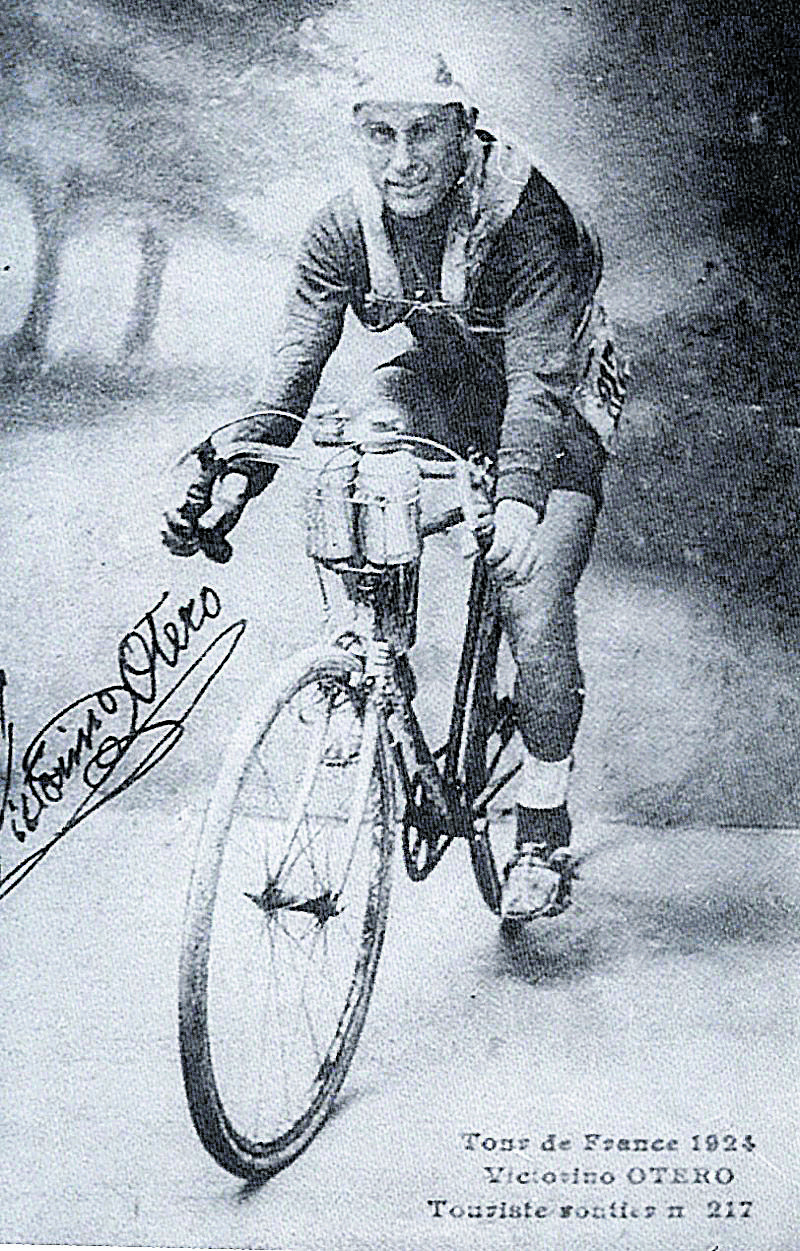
(99, 745)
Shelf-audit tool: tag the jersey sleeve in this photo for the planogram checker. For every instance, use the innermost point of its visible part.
(553, 268)
(310, 330)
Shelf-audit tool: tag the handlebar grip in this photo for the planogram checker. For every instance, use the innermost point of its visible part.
(227, 501)
(214, 546)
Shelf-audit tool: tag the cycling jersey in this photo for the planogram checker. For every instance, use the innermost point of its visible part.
(498, 283)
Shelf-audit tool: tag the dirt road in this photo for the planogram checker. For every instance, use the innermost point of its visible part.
(660, 1008)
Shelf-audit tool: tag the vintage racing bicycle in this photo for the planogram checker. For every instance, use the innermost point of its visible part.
(288, 901)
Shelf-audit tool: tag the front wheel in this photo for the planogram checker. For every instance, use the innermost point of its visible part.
(285, 916)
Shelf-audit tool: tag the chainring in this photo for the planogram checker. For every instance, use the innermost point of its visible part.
(424, 844)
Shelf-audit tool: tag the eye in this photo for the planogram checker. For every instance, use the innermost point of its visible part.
(424, 129)
(379, 132)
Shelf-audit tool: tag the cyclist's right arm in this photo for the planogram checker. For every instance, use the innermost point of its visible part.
(310, 331)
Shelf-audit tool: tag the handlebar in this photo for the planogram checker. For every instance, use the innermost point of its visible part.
(440, 463)
(462, 471)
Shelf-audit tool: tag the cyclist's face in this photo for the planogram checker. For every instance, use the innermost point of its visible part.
(414, 152)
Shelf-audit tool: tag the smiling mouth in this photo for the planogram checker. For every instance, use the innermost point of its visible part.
(413, 189)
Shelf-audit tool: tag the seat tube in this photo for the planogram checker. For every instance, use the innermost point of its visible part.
(476, 606)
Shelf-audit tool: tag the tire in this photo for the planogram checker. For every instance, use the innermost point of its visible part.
(285, 916)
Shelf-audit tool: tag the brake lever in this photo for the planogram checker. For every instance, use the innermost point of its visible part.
(213, 545)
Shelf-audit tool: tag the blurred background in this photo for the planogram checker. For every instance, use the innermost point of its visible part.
(159, 160)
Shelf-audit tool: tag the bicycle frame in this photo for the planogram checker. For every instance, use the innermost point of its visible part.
(312, 783)
(457, 792)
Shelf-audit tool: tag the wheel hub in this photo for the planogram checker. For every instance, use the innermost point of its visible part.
(272, 899)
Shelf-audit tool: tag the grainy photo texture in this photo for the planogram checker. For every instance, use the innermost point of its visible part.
(399, 786)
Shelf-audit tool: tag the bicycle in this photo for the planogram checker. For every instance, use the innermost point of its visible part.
(290, 889)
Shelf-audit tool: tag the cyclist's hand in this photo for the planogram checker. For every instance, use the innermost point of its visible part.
(217, 500)
(228, 498)
(482, 521)
(514, 550)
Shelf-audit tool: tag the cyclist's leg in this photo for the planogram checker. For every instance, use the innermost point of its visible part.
(539, 618)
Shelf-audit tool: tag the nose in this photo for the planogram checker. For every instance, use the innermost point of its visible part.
(403, 160)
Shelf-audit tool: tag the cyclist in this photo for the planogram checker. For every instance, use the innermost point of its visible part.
(455, 233)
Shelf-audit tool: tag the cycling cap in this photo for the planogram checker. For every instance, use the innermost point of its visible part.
(395, 74)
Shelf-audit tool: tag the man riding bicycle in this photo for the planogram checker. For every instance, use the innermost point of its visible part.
(457, 235)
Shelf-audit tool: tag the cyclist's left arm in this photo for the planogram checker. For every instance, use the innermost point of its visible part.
(552, 270)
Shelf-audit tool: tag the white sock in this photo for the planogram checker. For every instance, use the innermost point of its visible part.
(543, 783)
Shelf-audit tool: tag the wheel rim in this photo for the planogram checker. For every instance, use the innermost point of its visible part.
(293, 926)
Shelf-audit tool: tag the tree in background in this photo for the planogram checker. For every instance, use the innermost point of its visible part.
(49, 200)
(63, 84)
(153, 112)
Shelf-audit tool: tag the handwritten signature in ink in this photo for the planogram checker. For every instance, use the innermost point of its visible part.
(99, 745)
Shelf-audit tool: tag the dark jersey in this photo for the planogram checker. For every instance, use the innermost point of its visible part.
(518, 327)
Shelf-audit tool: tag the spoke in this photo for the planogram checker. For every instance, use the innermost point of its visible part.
(309, 1022)
(355, 942)
(335, 1009)
(238, 927)
(342, 928)
(318, 1051)
(295, 954)
(306, 848)
(312, 764)
(327, 851)
(271, 788)
(362, 788)
(356, 807)
(297, 947)
(251, 852)
(258, 1051)
(277, 1015)
(307, 804)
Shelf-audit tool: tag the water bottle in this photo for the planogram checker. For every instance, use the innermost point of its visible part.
(387, 490)
(330, 508)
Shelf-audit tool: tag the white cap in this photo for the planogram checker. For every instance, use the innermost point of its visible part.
(396, 74)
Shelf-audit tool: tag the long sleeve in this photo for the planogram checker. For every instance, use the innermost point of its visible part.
(310, 331)
(553, 268)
